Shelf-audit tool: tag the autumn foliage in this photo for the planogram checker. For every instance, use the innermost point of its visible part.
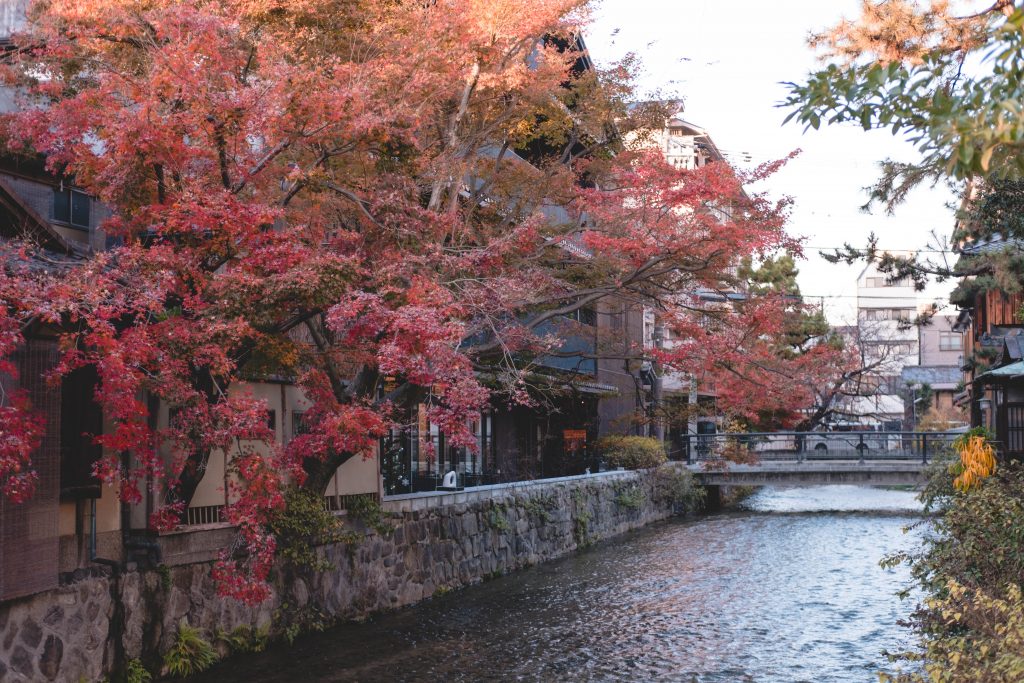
(977, 459)
(386, 203)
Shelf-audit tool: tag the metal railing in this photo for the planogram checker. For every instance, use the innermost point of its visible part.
(204, 514)
(821, 446)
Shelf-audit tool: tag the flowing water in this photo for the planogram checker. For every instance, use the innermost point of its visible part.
(788, 589)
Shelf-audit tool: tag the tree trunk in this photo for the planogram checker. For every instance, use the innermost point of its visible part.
(319, 472)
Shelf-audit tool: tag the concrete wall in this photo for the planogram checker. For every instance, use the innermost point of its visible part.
(39, 195)
(621, 326)
(439, 542)
(931, 337)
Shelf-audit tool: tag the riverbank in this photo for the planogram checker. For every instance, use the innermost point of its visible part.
(427, 545)
(785, 590)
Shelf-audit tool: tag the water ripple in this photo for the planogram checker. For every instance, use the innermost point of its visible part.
(788, 590)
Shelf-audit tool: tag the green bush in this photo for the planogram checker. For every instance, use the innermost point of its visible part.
(244, 638)
(971, 623)
(978, 637)
(678, 488)
(190, 653)
(135, 672)
(632, 452)
(630, 497)
(303, 524)
(370, 512)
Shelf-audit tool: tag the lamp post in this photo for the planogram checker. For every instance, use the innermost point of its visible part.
(985, 406)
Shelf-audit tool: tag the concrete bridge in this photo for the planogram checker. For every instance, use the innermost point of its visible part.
(813, 458)
(813, 474)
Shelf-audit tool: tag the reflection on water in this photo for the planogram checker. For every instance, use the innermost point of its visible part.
(787, 590)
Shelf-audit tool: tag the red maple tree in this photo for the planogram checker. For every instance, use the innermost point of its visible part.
(340, 191)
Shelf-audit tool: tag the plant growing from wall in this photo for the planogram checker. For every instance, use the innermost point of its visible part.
(244, 638)
(630, 497)
(302, 525)
(369, 511)
(190, 653)
(540, 506)
(298, 620)
(497, 518)
(676, 487)
(581, 518)
(136, 672)
(165, 576)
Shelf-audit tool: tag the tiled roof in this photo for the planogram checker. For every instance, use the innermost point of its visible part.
(994, 244)
(934, 375)
(1011, 371)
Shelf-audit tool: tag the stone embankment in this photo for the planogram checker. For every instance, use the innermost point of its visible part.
(97, 622)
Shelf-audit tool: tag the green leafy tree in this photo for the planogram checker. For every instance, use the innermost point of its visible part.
(950, 83)
(804, 326)
(804, 329)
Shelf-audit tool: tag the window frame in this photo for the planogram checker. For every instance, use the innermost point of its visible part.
(950, 341)
(70, 195)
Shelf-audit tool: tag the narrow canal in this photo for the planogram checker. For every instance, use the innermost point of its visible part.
(787, 589)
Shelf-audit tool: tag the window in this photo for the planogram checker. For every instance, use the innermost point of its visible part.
(71, 207)
(949, 341)
(889, 313)
(883, 282)
(584, 316)
(81, 418)
(299, 425)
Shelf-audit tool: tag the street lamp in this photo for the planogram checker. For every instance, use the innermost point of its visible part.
(985, 407)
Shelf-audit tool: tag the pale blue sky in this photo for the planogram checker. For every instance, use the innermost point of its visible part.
(727, 59)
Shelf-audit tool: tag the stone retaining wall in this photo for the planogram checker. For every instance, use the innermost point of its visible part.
(80, 631)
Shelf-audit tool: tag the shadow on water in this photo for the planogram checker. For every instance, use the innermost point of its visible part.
(787, 589)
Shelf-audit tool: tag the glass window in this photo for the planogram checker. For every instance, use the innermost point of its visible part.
(883, 282)
(586, 316)
(72, 207)
(299, 425)
(62, 206)
(80, 205)
(949, 341)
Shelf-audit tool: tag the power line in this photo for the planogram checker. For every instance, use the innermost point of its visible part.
(888, 249)
(869, 298)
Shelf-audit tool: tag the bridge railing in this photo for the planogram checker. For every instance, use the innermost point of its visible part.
(819, 446)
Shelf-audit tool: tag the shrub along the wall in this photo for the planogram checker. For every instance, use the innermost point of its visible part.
(971, 622)
(632, 452)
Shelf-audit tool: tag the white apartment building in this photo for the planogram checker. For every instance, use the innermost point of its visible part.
(685, 146)
(888, 341)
